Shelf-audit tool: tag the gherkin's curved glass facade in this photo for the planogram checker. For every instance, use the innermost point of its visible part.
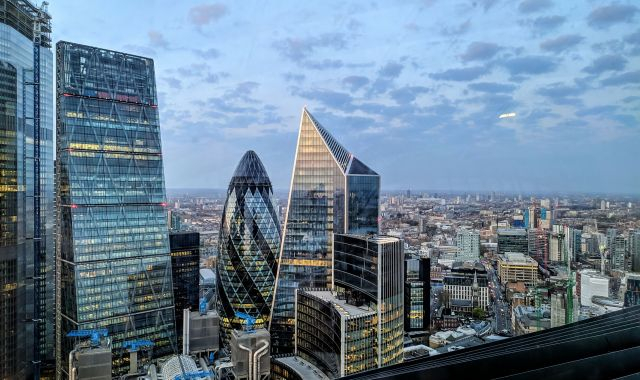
(331, 192)
(248, 246)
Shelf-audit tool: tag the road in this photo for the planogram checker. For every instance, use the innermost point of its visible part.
(501, 311)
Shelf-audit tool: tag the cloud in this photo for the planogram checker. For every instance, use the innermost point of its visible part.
(174, 83)
(560, 93)
(562, 43)
(137, 49)
(156, 39)
(630, 77)
(548, 22)
(465, 74)
(355, 82)
(606, 63)
(391, 70)
(633, 38)
(480, 51)
(492, 87)
(210, 53)
(204, 14)
(530, 6)
(407, 94)
(532, 64)
(456, 30)
(605, 16)
(329, 98)
(597, 111)
(299, 49)
(325, 64)
(293, 77)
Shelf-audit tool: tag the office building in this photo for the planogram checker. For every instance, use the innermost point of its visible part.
(113, 257)
(331, 192)
(516, 267)
(250, 354)
(185, 267)
(466, 287)
(468, 243)
(591, 283)
(248, 245)
(337, 337)
(512, 240)
(417, 289)
(632, 292)
(369, 270)
(26, 190)
(538, 246)
(634, 250)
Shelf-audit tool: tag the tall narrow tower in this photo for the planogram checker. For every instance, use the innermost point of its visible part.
(331, 192)
(248, 244)
(113, 258)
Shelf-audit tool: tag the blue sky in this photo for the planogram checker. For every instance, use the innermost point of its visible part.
(414, 89)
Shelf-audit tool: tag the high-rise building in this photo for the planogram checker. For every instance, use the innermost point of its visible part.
(468, 243)
(634, 250)
(512, 240)
(358, 324)
(113, 257)
(516, 267)
(26, 190)
(248, 245)
(538, 246)
(417, 299)
(185, 275)
(331, 192)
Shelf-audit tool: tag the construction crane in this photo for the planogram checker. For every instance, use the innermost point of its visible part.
(193, 375)
(249, 319)
(95, 335)
(133, 346)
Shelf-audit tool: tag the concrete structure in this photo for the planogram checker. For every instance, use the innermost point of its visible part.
(203, 333)
(515, 267)
(468, 243)
(91, 362)
(592, 283)
(527, 319)
(250, 354)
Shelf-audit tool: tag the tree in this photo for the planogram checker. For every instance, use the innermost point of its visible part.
(478, 313)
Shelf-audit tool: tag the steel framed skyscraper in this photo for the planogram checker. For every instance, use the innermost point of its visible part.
(331, 192)
(113, 260)
(26, 190)
(248, 245)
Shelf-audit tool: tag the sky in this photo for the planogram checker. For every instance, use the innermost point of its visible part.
(412, 88)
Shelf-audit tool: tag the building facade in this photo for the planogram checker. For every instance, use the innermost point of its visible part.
(185, 274)
(417, 299)
(516, 267)
(248, 245)
(467, 287)
(331, 192)
(468, 243)
(113, 256)
(369, 270)
(512, 240)
(26, 240)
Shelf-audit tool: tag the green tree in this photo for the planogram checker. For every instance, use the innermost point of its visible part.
(478, 313)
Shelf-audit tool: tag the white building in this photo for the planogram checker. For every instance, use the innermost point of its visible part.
(592, 284)
(468, 244)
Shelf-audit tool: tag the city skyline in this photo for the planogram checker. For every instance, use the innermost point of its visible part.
(566, 70)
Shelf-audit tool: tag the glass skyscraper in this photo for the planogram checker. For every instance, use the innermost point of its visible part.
(185, 273)
(19, 278)
(248, 245)
(331, 192)
(113, 258)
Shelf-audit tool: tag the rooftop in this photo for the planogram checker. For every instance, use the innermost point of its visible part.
(517, 258)
(302, 367)
(345, 309)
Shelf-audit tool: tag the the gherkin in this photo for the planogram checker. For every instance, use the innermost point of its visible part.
(249, 242)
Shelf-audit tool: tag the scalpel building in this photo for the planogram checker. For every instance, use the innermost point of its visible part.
(331, 192)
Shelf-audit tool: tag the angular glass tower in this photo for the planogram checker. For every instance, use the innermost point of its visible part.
(113, 258)
(26, 285)
(248, 245)
(331, 192)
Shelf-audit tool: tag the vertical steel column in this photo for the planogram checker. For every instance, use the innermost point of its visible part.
(37, 231)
